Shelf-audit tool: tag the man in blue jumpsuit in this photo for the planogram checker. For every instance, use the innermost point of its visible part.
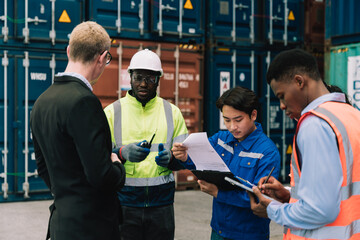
(249, 154)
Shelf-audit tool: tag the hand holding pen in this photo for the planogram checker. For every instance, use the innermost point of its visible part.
(267, 178)
(271, 187)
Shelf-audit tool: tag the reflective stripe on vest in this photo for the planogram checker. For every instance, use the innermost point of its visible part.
(140, 182)
(164, 175)
(347, 223)
(154, 147)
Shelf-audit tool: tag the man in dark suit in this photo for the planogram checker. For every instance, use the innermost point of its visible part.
(72, 144)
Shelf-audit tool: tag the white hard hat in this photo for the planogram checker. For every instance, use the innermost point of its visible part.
(145, 59)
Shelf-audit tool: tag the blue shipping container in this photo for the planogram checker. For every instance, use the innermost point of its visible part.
(6, 20)
(248, 22)
(342, 21)
(40, 22)
(163, 20)
(231, 21)
(276, 124)
(26, 75)
(284, 21)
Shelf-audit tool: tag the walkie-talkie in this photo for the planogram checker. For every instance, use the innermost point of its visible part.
(147, 144)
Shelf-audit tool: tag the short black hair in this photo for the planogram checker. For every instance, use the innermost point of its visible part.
(240, 98)
(290, 62)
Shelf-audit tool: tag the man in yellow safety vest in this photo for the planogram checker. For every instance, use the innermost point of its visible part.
(148, 195)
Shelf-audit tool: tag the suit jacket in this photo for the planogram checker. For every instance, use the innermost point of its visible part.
(72, 146)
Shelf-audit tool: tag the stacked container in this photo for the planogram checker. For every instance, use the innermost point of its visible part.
(33, 37)
(160, 21)
(342, 47)
(206, 47)
(314, 31)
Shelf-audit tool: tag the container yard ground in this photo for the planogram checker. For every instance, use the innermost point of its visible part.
(28, 220)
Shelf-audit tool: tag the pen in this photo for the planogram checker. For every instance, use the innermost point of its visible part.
(267, 178)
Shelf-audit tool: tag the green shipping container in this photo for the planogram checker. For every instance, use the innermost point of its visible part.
(344, 70)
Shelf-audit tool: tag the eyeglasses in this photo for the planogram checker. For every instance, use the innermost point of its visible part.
(138, 78)
(108, 57)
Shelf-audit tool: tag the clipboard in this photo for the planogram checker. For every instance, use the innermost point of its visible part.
(243, 186)
(217, 178)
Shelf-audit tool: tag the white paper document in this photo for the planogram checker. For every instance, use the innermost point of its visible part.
(203, 154)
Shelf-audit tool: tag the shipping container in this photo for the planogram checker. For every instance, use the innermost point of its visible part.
(342, 22)
(314, 31)
(284, 21)
(276, 125)
(43, 23)
(6, 20)
(344, 70)
(232, 22)
(26, 74)
(163, 20)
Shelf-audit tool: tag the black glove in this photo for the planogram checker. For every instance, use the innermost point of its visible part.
(133, 152)
(164, 156)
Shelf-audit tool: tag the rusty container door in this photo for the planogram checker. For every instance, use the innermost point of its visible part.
(180, 85)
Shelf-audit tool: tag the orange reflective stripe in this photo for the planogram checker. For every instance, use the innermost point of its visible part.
(292, 179)
(348, 213)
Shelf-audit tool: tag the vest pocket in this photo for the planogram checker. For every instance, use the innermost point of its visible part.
(129, 168)
(161, 169)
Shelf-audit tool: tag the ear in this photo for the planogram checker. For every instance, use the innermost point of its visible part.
(68, 51)
(101, 58)
(254, 114)
(299, 80)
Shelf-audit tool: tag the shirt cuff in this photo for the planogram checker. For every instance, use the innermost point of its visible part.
(272, 208)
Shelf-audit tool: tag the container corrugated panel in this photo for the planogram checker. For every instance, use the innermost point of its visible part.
(226, 68)
(40, 22)
(122, 18)
(344, 70)
(7, 73)
(164, 20)
(314, 32)
(284, 21)
(276, 125)
(31, 74)
(284, 145)
(342, 21)
(6, 20)
(179, 18)
(232, 22)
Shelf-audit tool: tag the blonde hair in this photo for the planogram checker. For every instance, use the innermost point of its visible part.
(87, 40)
